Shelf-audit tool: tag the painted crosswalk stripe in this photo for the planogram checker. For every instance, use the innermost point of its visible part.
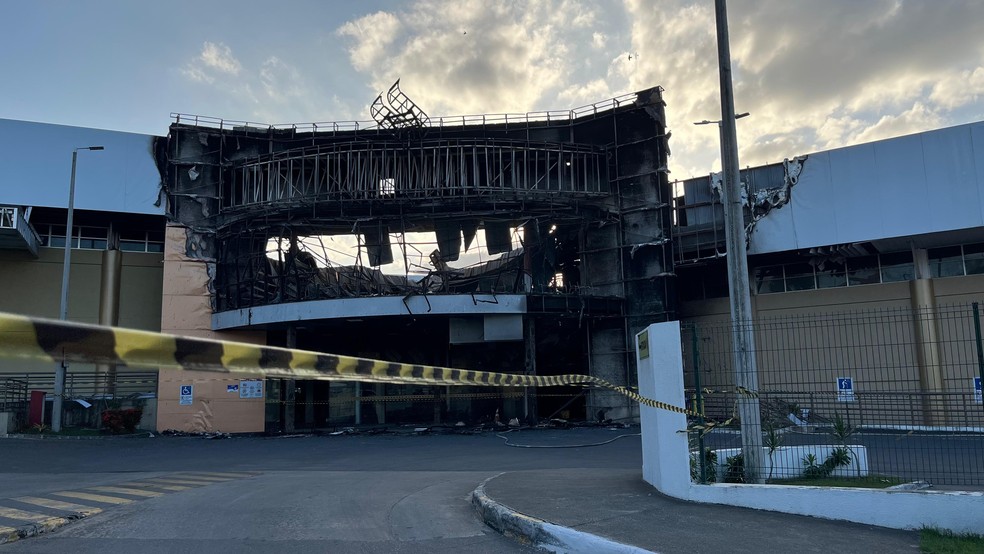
(21, 515)
(205, 478)
(59, 505)
(8, 534)
(172, 488)
(93, 497)
(131, 491)
(169, 481)
(228, 475)
(188, 478)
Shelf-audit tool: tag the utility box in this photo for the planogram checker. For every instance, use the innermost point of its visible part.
(35, 412)
(8, 423)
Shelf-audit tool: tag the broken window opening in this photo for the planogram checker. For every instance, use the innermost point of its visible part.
(557, 283)
(387, 187)
(292, 267)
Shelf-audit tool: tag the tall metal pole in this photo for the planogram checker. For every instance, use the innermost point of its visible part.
(977, 335)
(743, 337)
(56, 409)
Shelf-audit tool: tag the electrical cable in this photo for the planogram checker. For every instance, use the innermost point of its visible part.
(503, 437)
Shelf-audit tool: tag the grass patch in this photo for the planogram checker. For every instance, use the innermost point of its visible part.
(935, 541)
(869, 482)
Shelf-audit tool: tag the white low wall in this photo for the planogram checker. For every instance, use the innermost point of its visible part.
(666, 463)
(787, 461)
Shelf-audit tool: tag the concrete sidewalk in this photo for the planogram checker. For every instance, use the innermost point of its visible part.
(619, 506)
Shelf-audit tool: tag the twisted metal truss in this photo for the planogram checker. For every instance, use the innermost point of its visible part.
(400, 113)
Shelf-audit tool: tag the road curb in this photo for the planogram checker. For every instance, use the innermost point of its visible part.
(39, 528)
(542, 534)
(39, 437)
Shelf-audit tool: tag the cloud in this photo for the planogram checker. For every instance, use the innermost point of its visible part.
(814, 75)
(580, 95)
(598, 40)
(281, 93)
(267, 91)
(219, 57)
(196, 74)
(371, 36)
(958, 89)
(831, 132)
(281, 81)
(919, 117)
(214, 58)
(476, 56)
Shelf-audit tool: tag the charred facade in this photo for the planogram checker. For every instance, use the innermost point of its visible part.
(536, 243)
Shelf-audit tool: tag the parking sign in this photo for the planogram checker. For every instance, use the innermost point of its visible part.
(187, 395)
(977, 390)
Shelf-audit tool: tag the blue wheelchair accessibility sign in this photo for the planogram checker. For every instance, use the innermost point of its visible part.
(187, 396)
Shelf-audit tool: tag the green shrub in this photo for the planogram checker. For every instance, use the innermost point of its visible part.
(710, 466)
(734, 469)
(838, 457)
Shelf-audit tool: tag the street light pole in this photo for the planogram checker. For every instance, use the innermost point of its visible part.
(743, 336)
(56, 410)
(720, 132)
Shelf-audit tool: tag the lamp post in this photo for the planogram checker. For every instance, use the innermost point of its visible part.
(742, 334)
(720, 131)
(743, 337)
(56, 410)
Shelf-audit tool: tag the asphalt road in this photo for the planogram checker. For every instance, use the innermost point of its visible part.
(360, 493)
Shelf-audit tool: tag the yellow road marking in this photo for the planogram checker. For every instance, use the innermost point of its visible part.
(59, 505)
(156, 486)
(93, 497)
(14, 513)
(7, 532)
(123, 490)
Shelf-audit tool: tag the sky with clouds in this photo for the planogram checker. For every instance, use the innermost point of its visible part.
(814, 74)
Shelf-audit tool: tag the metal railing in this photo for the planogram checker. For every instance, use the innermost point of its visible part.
(888, 395)
(88, 386)
(547, 116)
(359, 171)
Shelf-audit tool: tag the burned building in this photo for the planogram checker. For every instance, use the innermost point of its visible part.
(536, 243)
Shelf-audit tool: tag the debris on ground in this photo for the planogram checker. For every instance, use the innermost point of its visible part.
(211, 435)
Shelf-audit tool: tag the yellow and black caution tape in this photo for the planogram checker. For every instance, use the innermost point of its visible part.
(53, 340)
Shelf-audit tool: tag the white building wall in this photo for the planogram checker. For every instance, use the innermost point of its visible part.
(924, 183)
(36, 168)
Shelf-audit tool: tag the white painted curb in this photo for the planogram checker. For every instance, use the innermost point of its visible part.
(543, 534)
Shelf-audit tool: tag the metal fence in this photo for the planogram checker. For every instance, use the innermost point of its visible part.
(89, 386)
(886, 396)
